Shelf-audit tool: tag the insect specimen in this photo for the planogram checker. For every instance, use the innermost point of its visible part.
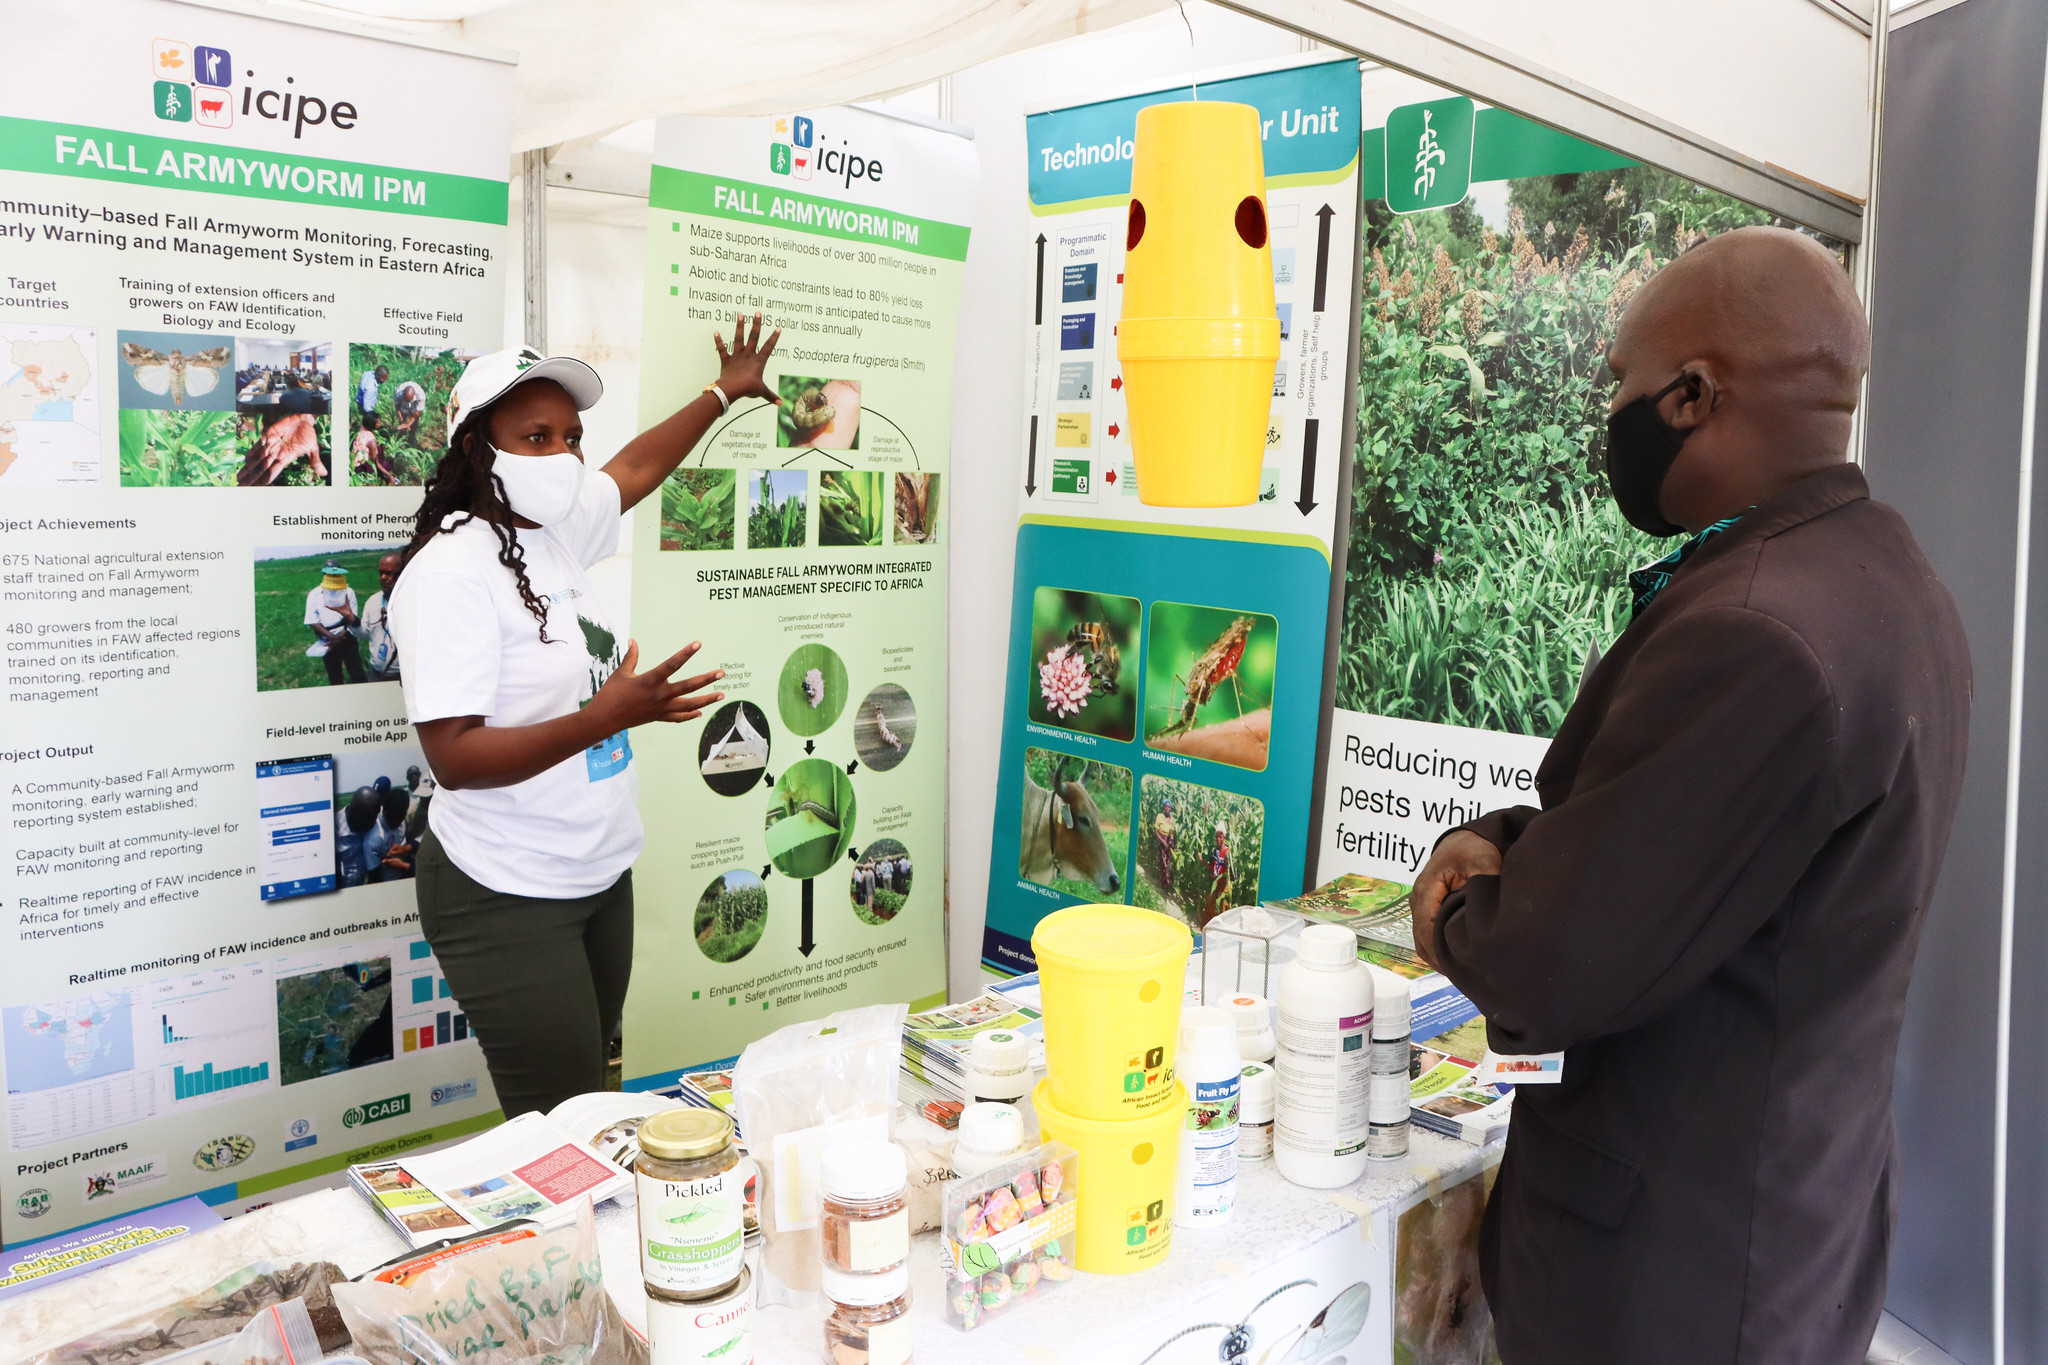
(1211, 668)
(814, 687)
(882, 729)
(1105, 661)
(810, 411)
(176, 374)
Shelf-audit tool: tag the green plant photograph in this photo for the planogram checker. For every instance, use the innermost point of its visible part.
(881, 881)
(810, 818)
(812, 689)
(165, 448)
(169, 448)
(1486, 556)
(852, 507)
(408, 441)
(284, 575)
(1198, 850)
(1087, 859)
(731, 916)
(1209, 682)
(1084, 650)
(775, 508)
(697, 509)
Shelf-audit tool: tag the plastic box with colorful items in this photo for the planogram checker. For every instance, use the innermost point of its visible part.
(1009, 1234)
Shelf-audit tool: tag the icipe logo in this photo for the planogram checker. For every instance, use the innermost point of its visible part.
(196, 85)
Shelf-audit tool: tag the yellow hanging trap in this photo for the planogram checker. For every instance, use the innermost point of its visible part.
(1199, 335)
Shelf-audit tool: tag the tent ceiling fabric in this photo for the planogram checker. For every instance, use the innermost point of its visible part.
(589, 66)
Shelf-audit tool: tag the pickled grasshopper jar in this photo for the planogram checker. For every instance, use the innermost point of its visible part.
(691, 1204)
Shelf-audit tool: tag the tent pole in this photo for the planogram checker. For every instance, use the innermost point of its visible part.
(533, 204)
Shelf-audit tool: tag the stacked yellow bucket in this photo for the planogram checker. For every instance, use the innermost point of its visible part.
(1199, 335)
(1110, 977)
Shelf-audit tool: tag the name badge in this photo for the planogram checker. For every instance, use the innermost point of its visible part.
(609, 757)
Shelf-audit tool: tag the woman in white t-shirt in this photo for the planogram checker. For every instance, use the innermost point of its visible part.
(523, 697)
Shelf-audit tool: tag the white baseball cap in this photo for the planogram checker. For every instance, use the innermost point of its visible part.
(490, 377)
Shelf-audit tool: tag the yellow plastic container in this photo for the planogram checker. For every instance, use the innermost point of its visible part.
(1199, 335)
(1123, 1186)
(1110, 978)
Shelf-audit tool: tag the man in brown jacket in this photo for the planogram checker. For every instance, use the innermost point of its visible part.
(1714, 913)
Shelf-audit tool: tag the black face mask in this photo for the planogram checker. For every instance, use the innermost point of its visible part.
(1640, 448)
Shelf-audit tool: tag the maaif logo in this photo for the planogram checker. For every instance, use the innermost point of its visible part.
(192, 83)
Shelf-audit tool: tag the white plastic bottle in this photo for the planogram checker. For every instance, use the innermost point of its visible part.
(1208, 1065)
(1324, 1062)
(1254, 1015)
(989, 1135)
(999, 1068)
(1387, 1110)
(1255, 1112)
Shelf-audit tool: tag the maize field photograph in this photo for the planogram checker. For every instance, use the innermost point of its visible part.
(1198, 850)
(775, 508)
(731, 916)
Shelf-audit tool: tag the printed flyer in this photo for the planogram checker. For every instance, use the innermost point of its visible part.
(244, 259)
(1166, 664)
(1486, 561)
(795, 836)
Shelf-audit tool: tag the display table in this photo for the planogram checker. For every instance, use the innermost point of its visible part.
(1280, 1234)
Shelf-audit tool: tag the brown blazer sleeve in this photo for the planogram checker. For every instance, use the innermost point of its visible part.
(1697, 806)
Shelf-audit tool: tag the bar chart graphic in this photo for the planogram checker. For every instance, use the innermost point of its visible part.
(189, 1085)
(214, 1034)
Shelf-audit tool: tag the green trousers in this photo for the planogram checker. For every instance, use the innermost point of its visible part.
(543, 981)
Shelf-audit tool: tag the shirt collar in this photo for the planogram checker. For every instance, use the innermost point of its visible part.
(1645, 583)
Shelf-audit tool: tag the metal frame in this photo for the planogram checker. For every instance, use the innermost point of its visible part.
(1396, 36)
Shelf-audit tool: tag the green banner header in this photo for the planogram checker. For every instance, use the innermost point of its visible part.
(771, 206)
(209, 168)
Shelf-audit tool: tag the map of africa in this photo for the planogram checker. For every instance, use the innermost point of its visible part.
(64, 1042)
(49, 406)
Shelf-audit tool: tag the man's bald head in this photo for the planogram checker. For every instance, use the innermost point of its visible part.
(1768, 334)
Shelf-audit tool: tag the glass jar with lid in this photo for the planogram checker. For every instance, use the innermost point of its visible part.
(691, 1204)
(864, 1218)
(867, 1318)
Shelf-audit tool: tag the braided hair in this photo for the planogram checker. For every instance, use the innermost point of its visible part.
(464, 484)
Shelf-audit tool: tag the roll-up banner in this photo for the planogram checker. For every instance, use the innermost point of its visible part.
(1166, 664)
(244, 260)
(1486, 566)
(795, 837)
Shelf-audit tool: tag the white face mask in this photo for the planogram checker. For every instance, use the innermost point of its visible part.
(542, 488)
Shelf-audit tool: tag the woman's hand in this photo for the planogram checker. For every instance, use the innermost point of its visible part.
(653, 455)
(628, 698)
(739, 369)
(466, 753)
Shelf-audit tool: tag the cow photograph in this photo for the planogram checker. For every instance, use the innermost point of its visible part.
(1076, 825)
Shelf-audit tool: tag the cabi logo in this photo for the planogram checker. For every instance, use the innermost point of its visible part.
(374, 1110)
(196, 85)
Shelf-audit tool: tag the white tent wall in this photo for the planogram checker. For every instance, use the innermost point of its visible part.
(1767, 78)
